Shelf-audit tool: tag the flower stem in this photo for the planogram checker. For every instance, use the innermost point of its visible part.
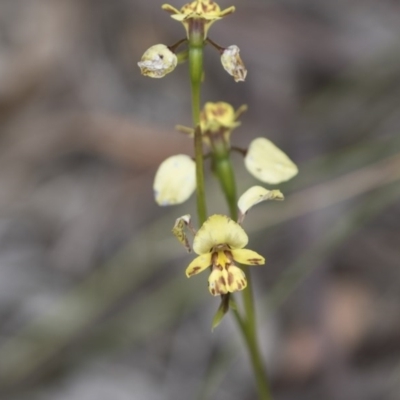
(196, 72)
(255, 358)
(247, 325)
(223, 169)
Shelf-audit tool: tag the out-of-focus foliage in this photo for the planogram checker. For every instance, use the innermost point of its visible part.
(94, 302)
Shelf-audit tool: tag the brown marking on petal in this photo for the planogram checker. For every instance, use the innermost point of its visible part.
(228, 255)
(239, 286)
(230, 278)
(209, 6)
(219, 111)
(256, 261)
(194, 271)
(220, 289)
(222, 280)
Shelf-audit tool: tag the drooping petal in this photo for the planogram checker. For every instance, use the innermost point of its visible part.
(233, 64)
(219, 229)
(247, 257)
(218, 282)
(198, 265)
(268, 163)
(255, 195)
(158, 61)
(236, 279)
(175, 180)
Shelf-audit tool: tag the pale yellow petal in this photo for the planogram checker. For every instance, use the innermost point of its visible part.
(255, 195)
(268, 163)
(219, 229)
(247, 257)
(175, 180)
(236, 279)
(198, 265)
(218, 282)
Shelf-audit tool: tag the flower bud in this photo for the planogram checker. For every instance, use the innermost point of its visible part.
(233, 64)
(158, 61)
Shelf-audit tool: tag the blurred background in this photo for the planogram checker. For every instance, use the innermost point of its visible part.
(94, 303)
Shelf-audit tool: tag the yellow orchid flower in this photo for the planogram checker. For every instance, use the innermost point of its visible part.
(220, 243)
(216, 119)
(200, 14)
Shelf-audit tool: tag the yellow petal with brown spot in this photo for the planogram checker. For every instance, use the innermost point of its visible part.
(198, 265)
(247, 257)
(218, 282)
(236, 279)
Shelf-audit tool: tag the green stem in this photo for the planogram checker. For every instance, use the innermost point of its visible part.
(196, 71)
(248, 302)
(200, 187)
(226, 176)
(255, 358)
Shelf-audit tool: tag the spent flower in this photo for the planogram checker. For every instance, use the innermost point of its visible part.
(233, 64)
(158, 61)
